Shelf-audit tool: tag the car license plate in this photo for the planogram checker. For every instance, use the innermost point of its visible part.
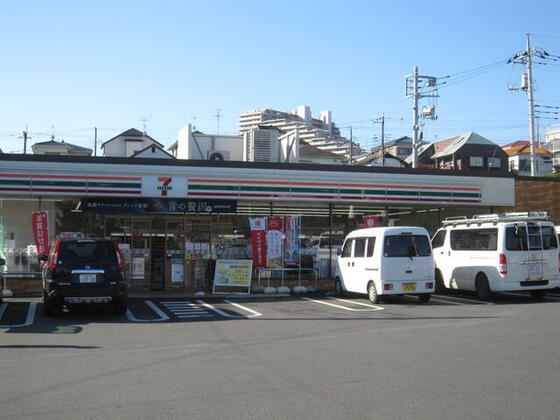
(88, 278)
(409, 287)
(535, 269)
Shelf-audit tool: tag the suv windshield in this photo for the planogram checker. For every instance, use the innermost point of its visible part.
(407, 246)
(96, 253)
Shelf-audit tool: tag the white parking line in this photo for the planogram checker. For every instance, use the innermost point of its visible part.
(549, 296)
(450, 302)
(28, 319)
(162, 315)
(193, 316)
(374, 308)
(369, 305)
(218, 311)
(251, 311)
(481, 302)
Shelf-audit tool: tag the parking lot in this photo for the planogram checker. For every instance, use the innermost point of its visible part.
(26, 313)
(304, 356)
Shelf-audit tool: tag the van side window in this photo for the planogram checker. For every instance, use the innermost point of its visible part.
(370, 247)
(474, 240)
(347, 249)
(439, 239)
(359, 247)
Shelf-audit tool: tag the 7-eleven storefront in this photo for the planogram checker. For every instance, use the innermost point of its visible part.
(176, 219)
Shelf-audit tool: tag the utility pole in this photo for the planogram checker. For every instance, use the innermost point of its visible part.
(531, 97)
(351, 146)
(381, 120)
(415, 117)
(527, 85)
(25, 138)
(95, 143)
(414, 93)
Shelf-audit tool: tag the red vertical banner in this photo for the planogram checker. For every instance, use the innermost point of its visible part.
(258, 240)
(40, 226)
(371, 221)
(274, 242)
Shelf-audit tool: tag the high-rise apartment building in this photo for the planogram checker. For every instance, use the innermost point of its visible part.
(320, 132)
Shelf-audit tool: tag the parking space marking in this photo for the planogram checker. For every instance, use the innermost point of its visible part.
(369, 305)
(29, 319)
(449, 302)
(159, 312)
(549, 296)
(480, 302)
(228, 315)
(185, 309)
(251, 311)
(374, 308)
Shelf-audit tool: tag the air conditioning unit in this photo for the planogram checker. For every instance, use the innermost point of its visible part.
(217, 155)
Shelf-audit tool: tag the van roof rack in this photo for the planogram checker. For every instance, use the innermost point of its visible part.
(495, 218)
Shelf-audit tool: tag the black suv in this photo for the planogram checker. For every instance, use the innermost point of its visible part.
(83, 271)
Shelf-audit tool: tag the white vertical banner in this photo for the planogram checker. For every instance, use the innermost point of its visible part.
(292, 230)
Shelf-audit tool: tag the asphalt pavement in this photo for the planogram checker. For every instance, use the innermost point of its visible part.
(303, 357)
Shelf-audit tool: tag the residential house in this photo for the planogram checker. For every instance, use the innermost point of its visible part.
(53, 147)
(128, 143)
(469, 151)
(153, 151)
(520, 160)
(374, 159)
(193, 144)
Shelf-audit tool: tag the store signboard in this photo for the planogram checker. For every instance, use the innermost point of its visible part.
(370, 221)
(233, 273)
(155, 205)
(40, 228)
(164, 186)
(138, 267)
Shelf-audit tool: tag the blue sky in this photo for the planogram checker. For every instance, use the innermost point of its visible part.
(110, 64)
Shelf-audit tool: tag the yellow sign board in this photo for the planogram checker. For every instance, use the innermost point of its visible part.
(236, 273)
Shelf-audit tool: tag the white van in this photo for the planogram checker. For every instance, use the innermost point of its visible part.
(497, 252)
(386, 261)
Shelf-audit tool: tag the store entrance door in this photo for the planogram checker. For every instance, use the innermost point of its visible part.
(198, 264)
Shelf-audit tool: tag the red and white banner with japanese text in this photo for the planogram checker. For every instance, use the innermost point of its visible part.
(371, 221)
(274, 242)
(258, 240)
(40, 226)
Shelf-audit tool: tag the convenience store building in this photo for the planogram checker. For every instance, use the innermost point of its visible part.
(175, 218)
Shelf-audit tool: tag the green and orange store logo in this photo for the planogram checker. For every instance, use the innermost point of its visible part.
(165, 186)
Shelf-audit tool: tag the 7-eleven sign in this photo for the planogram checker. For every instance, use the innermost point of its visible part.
(164, 186)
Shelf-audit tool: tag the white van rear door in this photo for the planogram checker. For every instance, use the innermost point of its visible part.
(531, 250)
(407, 258)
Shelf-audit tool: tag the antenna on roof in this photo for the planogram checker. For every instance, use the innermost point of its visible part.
(218, 116)
(144, 121)
(52, 132)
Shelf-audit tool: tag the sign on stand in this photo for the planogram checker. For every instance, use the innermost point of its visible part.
(232, 275)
